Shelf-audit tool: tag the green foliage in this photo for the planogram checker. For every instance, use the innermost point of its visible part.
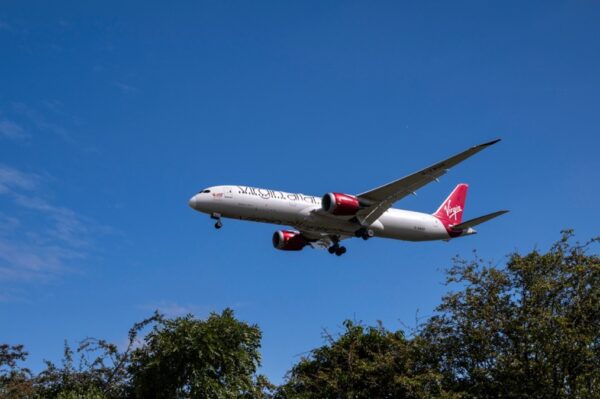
(190, 358)
(365, 362)
(101, 372)
(15, 381)
(531, 329)
(89, 393)
(528, 330)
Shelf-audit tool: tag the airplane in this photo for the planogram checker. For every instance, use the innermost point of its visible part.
(323, 222)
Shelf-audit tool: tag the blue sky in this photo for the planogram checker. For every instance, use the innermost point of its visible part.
(112, 115)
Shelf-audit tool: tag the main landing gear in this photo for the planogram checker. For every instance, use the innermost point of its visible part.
(336, 248)
(217, 217)
(364, 233)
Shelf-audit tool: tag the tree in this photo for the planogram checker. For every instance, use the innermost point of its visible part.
(530, 329)
(101, 373)
(15, 381)
(365, 362)
(179, 358)
(191, 358)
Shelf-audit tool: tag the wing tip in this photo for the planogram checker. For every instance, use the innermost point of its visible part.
(489, 143)
(500, 213)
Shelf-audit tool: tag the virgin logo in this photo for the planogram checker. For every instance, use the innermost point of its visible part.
(452, 211)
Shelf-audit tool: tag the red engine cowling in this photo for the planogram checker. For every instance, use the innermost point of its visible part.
(340, 204)
(287, 240)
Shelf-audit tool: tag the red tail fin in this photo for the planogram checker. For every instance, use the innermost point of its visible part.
(451, 211)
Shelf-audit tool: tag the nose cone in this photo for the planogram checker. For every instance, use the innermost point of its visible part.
(192, 202)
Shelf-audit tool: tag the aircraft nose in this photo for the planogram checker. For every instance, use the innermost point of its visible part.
(192, 202)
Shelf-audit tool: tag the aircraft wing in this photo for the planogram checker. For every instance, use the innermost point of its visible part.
(382, 198)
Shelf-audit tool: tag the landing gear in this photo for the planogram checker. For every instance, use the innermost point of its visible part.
(335, 248)
(217, 217)
(340, 251)
(364, 233)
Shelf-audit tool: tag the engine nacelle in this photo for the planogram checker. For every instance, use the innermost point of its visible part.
(340, 204)
(287, 240)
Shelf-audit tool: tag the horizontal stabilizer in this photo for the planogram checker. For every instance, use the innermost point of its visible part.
(476, 221)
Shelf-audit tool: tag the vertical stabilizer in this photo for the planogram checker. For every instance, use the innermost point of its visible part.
(450, 212)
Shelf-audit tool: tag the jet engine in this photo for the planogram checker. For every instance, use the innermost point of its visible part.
(340, 204)
(287, 240)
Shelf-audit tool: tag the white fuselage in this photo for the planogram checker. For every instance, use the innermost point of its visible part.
(304, 212)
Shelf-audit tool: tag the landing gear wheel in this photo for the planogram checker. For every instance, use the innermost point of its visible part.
(364, 233)
(340, 251)
(334, 248)
(217, 217)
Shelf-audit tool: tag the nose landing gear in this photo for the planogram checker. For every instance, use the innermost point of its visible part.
(217, 217)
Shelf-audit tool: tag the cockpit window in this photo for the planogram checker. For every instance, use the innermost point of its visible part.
(204, 192)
